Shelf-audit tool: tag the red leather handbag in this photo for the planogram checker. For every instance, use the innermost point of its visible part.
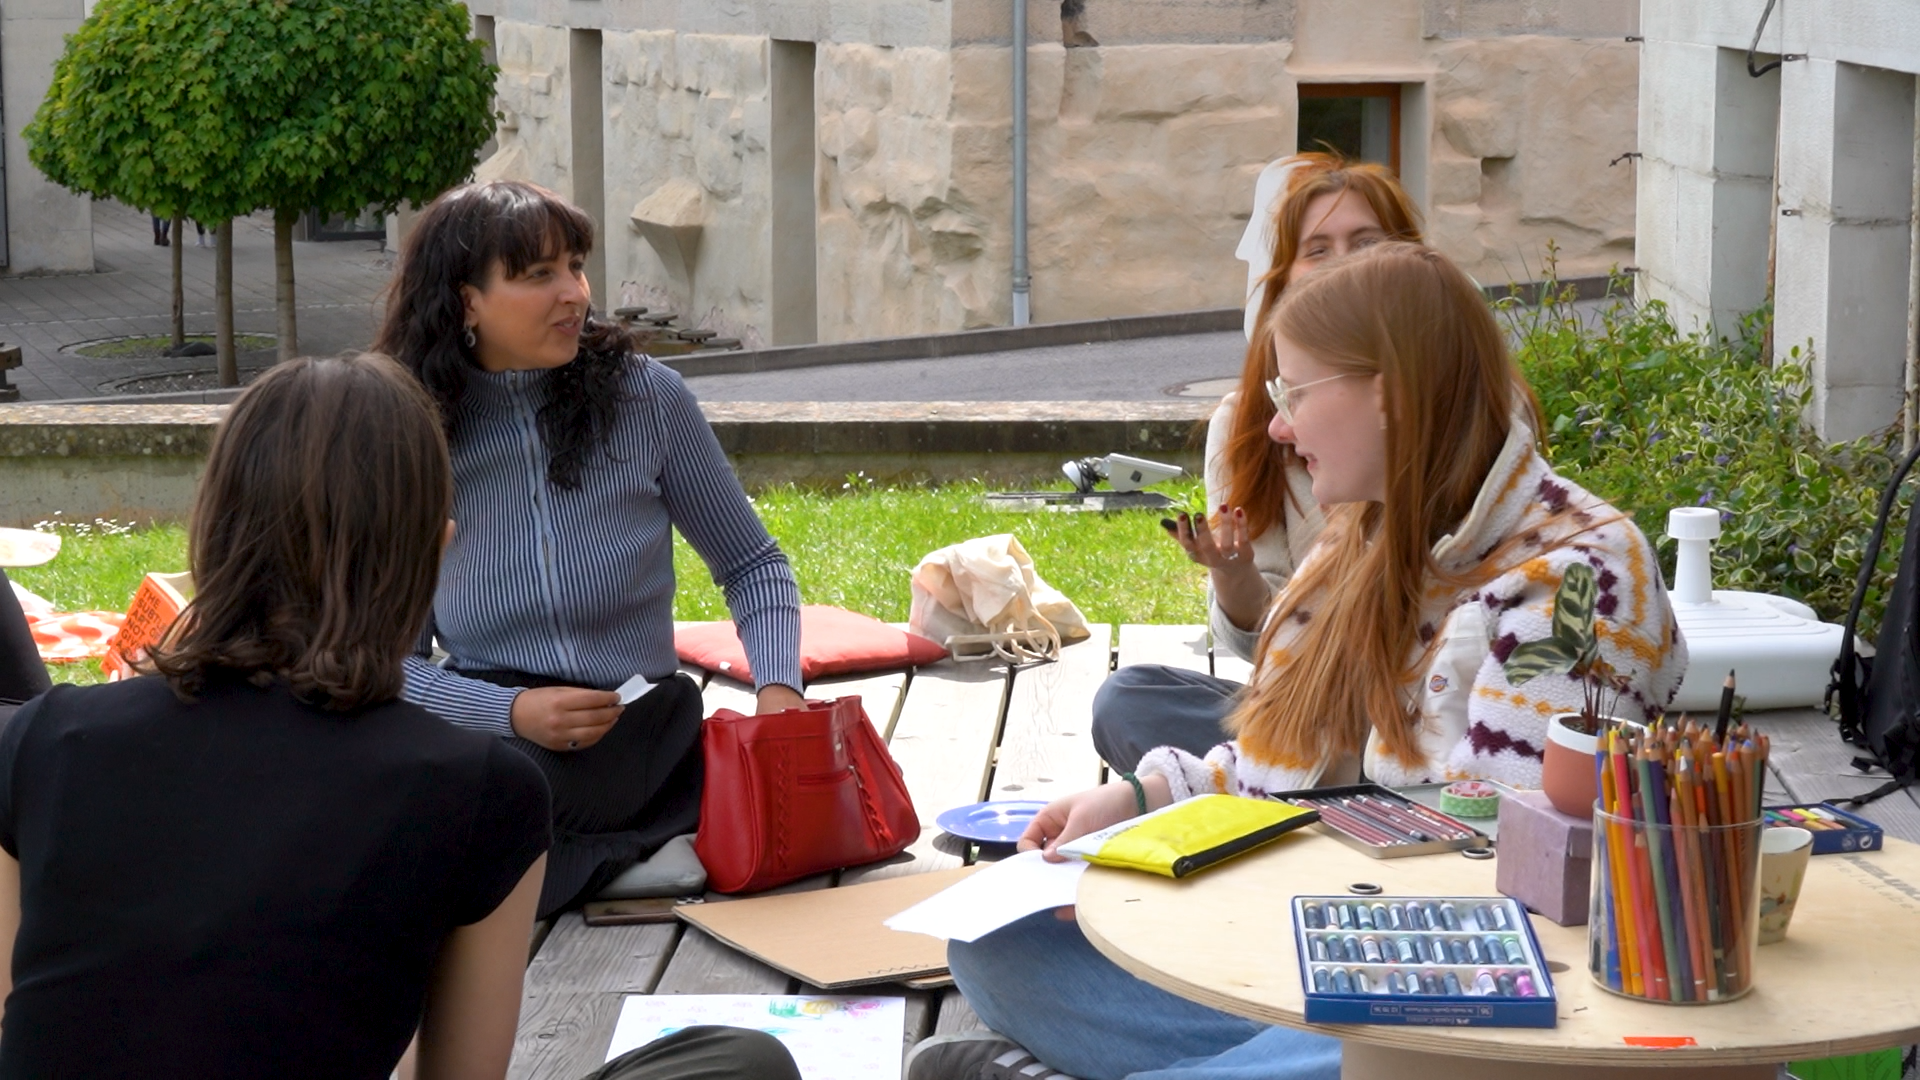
(798, 792)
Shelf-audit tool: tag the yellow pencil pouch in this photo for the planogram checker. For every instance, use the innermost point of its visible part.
(1190, 835)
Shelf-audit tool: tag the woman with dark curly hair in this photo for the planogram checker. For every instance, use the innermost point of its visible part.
(574, 459)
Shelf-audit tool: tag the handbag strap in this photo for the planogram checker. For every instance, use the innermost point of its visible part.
(1845, 680)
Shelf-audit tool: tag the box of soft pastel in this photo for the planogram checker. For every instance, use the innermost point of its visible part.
(1457, 961)
(1384, 824)
(1834, 830)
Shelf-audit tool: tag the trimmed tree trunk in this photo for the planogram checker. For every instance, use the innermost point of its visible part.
(179, 291)
(283, 281)
(223, 305)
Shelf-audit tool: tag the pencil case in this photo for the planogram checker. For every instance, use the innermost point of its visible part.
(1834, 830)
(1189, 835)
(1452, 961)
(1384, 824)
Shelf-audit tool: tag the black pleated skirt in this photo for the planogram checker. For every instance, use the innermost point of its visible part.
(617, 801)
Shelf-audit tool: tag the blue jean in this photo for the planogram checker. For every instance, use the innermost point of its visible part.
(1039, 982)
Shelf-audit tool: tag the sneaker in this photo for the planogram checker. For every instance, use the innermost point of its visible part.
(975, 1055)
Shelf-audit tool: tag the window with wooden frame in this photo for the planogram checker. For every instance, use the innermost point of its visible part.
(1360, 120)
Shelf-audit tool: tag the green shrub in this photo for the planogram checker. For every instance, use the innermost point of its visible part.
(1650, 418)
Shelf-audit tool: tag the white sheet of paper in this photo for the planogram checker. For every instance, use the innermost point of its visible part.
(633, 689)
(983, 902)
(831, 1038)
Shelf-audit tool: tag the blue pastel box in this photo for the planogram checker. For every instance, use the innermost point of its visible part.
(1435, 961)
(1856, 834)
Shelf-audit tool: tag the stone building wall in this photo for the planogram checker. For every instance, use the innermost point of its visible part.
(1142, 151)
(1797, 185)
(687, 128)
(48, 228)
(1141, 162)
(1525, 130)
(534, 140)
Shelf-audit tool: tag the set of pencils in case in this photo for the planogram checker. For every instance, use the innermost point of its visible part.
(1681, 836)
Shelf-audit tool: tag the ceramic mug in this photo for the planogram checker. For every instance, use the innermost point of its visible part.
(1784, 851)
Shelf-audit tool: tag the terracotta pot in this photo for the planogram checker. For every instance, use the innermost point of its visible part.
(1566, 773)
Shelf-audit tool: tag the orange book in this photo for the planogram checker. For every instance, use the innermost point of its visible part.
(156, 603)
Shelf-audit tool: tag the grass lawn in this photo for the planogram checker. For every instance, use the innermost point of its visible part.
(854, 548)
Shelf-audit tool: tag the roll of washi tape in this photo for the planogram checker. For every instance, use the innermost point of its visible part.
(1470, 799)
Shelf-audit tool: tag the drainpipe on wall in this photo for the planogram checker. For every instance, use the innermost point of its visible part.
(1022, 282)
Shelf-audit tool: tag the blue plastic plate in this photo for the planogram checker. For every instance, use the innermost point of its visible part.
(999, 822)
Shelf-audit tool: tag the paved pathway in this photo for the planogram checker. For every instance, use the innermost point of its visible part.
(337, 284)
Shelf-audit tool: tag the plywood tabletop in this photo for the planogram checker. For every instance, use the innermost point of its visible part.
(1846, 980)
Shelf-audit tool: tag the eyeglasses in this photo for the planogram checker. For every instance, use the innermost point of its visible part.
(1282, 394)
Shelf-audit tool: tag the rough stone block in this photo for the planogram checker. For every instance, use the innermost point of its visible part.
(1480, 128)
(1454, 178)
(1546, 858)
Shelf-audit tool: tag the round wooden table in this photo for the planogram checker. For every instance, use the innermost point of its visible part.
(1846, 980)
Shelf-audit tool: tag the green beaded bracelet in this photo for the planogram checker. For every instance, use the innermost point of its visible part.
(1139, 792)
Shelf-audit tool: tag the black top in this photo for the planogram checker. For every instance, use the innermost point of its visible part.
(247, 886)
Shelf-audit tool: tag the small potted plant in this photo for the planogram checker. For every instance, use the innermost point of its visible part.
(1567, 772)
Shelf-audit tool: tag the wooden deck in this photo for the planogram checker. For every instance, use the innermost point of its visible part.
(961, 733)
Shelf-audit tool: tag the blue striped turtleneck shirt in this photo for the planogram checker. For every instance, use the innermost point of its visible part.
(578, 585)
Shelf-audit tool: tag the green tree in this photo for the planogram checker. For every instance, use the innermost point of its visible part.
(136, 113)
(375, 103)
(212, 109)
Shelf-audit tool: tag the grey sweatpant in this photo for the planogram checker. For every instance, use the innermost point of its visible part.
(1145, 706)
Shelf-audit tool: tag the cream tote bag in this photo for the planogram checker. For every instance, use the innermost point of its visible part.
(982, 599)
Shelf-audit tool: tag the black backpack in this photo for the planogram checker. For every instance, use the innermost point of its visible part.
(1879, 695)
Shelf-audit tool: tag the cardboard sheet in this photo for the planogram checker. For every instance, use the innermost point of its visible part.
(833, 938)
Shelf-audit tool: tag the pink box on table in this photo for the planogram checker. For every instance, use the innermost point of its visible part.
(1546, 857)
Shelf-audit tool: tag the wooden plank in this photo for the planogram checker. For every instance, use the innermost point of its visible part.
(702, 965)
(943, 742)
(573, 990)
(1172, 646)
(564, 1035)
(1046, 745)
(1812, 763)
(956, 1015)
(538, 937)
(725, 693)
(879, 695)
(922, 1010)
(1227, 665)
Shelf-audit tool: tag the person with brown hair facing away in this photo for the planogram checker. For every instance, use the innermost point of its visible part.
(1261, 518)
(575, 459)
(1446, 541)
(259, 862)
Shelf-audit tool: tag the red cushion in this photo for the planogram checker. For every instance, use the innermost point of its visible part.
(833, 641)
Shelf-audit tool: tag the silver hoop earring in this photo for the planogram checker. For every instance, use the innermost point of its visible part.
(470, 338)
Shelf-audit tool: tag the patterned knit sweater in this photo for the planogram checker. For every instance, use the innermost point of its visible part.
(1473, 722)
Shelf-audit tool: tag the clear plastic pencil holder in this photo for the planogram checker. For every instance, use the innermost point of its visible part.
(1676, 909)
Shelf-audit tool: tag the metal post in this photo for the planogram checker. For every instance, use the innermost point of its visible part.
(1022, 281)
